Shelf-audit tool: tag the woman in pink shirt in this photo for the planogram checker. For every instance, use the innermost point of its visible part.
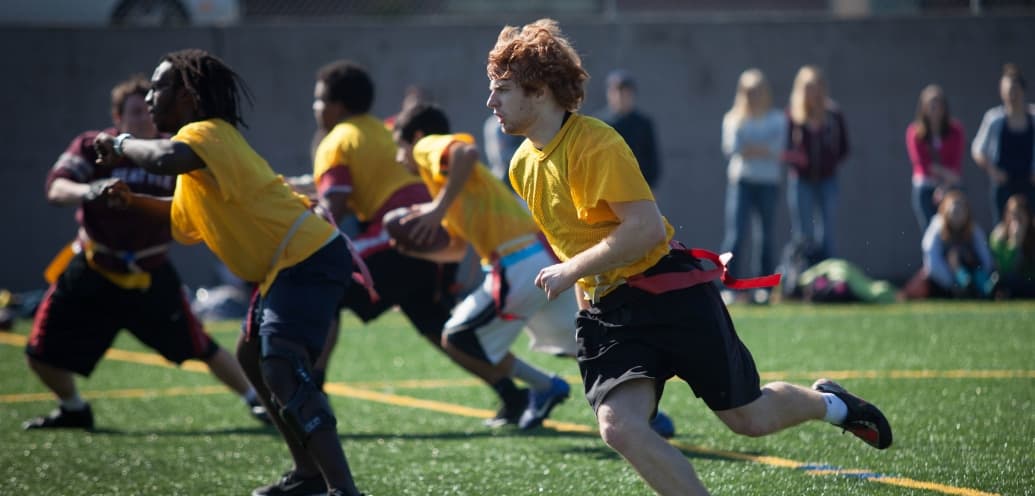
(935, 144)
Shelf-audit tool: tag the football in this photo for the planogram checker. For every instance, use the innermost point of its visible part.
(403, 233)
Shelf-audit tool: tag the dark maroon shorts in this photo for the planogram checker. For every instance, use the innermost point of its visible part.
(81, 314)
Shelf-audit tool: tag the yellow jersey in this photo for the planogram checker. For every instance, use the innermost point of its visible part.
(358, 158)
(568, 186)
(485, 213)
(240, 208)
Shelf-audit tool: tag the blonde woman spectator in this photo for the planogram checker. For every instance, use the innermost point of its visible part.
(817, 144)
(753, 137)
(934, 141)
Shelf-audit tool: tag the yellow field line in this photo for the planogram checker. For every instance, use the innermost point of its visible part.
(459, 410)
(903, 374)
(119, 393)
(437, 406)
(143, 358)
(930, 486)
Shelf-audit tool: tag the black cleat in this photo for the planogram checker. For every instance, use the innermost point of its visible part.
(510, 412)
(293, 485)
(63, 419)
(864, 420)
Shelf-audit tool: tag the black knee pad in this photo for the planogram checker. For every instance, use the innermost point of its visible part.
(466, 341)
(299, 401)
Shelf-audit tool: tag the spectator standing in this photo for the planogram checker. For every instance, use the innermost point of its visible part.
(1005, 143)
(753, 135)
(934, 141)
(817, 144)
(635, 127)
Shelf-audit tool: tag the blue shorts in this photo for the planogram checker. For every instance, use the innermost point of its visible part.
(304, 299)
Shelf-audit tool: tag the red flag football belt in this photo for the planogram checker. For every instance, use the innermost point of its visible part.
(671, 281)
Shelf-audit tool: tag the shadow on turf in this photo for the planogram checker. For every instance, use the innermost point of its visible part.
(603, 452)
(483, 432)
(598, 452)
(346, 436)
(230, 431)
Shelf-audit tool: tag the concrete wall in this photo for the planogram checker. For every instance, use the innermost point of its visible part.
(57, 83)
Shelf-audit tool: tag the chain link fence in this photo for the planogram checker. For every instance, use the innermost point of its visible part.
(336, 10)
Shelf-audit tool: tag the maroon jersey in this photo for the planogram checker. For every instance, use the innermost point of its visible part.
(117, 230)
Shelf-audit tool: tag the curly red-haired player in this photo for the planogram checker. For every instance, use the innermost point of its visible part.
(648, 309)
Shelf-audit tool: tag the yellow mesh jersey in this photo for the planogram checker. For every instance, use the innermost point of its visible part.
(568, 186)
(365, 147)
(239, 207)
(485, 213)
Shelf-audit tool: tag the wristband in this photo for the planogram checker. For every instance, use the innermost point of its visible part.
(117, 144)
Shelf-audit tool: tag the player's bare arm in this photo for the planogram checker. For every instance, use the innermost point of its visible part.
(640, 229)
(462, 159)
(67, 192)
(118, 195)
(158, 156)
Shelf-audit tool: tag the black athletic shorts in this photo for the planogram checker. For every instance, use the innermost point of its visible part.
(631, 334)
(82, 312)
(425, 291)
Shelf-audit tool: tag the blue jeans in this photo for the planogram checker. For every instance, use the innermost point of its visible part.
(804, 198)
(923, 205)
(745, 200)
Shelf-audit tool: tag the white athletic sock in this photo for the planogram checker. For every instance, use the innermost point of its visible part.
(837, 410)
(535, 378)
(75, 403)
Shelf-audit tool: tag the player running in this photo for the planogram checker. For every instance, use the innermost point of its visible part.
(119, 276)
(228, 197)
(649, 310)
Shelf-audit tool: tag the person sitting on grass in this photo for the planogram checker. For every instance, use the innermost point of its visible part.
(1013, 246)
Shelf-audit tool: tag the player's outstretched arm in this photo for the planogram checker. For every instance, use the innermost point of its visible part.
(118, 195)
(67, 192)
(158, 156)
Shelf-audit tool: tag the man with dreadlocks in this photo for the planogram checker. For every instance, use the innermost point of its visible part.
(649, 310)
(116, 275)
(300, 263)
